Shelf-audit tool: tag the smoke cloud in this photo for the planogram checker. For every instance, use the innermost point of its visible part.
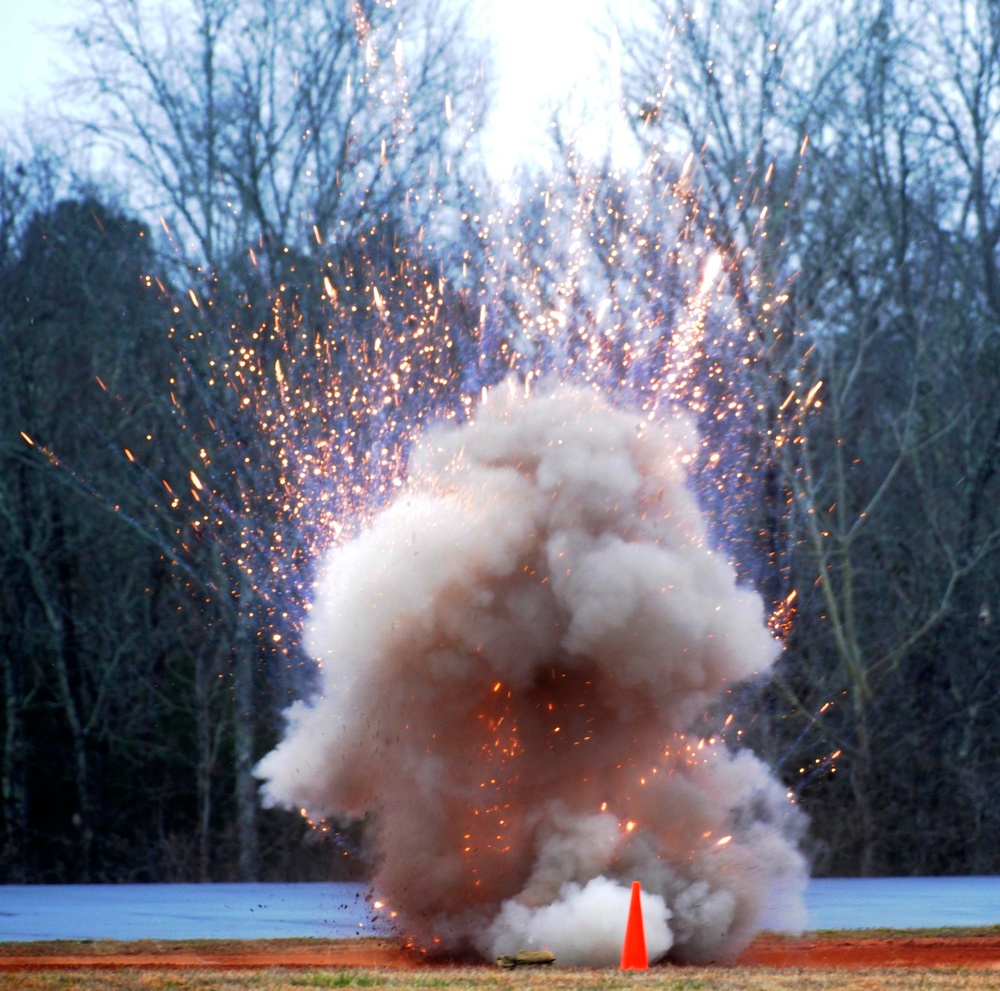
(512, 656)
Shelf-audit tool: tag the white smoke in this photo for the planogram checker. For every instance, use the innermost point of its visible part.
(512, 656)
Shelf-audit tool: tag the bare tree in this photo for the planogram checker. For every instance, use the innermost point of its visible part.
(269, 137)
(841, 159)
(250, 126)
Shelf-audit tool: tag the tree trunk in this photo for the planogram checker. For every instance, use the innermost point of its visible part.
(861, 791)
(204, 767)
(243, 747)
(12, 779)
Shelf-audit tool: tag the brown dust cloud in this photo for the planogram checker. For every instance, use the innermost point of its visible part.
(512, 656)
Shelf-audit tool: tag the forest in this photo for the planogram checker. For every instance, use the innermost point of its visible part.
(260, 248)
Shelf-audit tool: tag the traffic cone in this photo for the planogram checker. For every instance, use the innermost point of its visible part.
(634, 948)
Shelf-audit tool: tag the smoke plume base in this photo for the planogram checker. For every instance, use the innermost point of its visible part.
(512, 654)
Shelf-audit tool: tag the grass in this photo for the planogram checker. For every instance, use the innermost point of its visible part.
(485, 979)
(462, 978)
(335, 979)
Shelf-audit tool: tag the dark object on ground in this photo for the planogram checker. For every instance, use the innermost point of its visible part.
(526, 958)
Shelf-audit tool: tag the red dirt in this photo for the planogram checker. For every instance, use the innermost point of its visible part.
(904, 950)
(813, 951)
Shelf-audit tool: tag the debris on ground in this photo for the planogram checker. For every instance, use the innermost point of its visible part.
(526, 958)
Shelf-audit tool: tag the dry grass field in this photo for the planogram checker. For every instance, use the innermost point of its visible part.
(944, 960)
(476, 978)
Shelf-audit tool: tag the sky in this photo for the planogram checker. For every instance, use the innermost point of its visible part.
(29, 56)
(549, 53)
(554, 52)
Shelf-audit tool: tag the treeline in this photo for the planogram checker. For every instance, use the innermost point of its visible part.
(851, 153)
(218, 340)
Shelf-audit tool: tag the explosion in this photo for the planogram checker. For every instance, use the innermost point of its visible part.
(512, 655)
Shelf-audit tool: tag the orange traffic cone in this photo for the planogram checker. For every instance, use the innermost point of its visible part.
(634, 948)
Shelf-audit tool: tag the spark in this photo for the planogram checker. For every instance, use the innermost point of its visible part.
(811, 394)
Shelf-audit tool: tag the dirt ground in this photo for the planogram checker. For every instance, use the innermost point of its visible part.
(892, 950)
(826, 950)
